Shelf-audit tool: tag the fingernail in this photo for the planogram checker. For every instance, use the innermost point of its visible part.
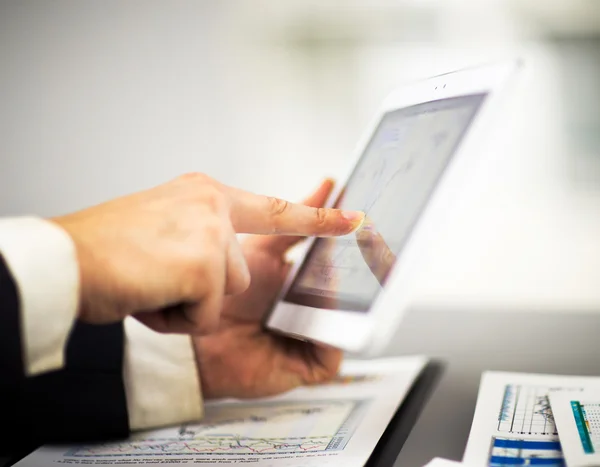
(368, 227)
(365, 236)
(356, 218)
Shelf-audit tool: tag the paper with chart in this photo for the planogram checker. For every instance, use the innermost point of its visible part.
(577, 418)
(330, 425)
(514, 422)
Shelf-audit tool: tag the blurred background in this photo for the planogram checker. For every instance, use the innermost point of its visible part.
(101, 99)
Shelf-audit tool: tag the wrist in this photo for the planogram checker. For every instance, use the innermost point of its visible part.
(205, 375)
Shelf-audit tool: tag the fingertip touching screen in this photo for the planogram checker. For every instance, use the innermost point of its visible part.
(391, 183)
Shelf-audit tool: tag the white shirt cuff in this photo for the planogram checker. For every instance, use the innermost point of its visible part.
(43, 262)
(161, 378)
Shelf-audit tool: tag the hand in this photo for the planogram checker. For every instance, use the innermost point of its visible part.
(243, 360)
(378, 256)
(169, 255)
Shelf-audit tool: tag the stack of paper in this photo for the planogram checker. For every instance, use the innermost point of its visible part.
(527, 419)
(330, 425)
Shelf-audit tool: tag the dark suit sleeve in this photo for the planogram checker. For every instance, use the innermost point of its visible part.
(85, 401)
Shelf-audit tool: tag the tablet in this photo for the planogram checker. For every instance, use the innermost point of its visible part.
(350, 292)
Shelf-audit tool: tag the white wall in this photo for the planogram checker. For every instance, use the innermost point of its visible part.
(103, 99)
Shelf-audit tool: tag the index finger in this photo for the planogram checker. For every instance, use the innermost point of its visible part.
(257, 214)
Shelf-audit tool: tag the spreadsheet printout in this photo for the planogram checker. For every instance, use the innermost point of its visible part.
(514, 422)
(339, 423)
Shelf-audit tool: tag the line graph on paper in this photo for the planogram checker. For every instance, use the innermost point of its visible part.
(526, 411)
(246, 429)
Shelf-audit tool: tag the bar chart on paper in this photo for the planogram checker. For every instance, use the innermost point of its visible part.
(510, 452)
(587, 419)
(577, 417)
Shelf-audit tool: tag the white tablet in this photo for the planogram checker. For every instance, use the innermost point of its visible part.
(350, 292)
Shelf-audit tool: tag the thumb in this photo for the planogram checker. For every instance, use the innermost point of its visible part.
(375, 251)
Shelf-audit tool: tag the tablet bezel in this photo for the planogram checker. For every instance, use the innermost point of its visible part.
(368, 333)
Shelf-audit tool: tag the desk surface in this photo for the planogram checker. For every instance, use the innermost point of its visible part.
(471, 342)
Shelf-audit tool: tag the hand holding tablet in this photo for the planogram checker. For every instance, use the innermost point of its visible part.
(350, 291)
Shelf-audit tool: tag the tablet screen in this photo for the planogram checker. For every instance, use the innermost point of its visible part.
(391, 183)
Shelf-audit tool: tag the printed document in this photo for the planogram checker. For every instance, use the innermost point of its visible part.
(514, 421)
(577, 417)
(329, 425)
